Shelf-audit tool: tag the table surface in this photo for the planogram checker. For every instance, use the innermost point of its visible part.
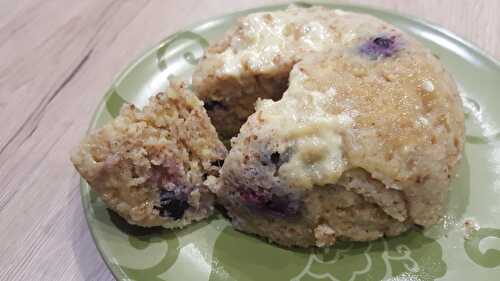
(58, 57)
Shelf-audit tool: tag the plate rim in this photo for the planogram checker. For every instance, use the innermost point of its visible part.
(116, 272)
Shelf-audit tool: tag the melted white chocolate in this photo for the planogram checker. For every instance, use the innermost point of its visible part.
(302, 120)
(267, 36)
(264, 41)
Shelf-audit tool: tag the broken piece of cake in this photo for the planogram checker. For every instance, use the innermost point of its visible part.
(154, 166)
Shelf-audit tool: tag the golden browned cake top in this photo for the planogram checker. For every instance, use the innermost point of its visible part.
(387, 107)
(407, 117)
(403, 111)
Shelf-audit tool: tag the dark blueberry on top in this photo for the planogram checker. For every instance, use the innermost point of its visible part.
(211, 105)
(380, 46)
(282, 205)
(383, 42)
(172, 205)
(275, 158)
(271, 204)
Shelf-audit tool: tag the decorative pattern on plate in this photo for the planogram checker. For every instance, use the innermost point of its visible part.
(114, 103)
(152, 273)
(491, 257)
(473, 108)
(188, 56)
(411, 255)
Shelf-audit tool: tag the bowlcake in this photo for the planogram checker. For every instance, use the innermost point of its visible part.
(356, 133)
(362, 144)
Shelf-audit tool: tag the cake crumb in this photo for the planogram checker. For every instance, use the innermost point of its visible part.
(428, 86)
(325, 235)
(470, 226)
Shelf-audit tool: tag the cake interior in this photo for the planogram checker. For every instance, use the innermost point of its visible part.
(153, 166)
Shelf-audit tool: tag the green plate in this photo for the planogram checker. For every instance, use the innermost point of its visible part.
(212, 250)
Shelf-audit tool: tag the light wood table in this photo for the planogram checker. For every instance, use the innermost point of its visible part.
(57, 57)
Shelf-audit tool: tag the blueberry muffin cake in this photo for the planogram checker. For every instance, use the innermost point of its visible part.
(343, 126)
(362, 145)
(154, 166)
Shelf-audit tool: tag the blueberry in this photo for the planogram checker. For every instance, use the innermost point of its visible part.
(380, 46)
(211, 105)
(254, 197)
(166, 196)
(277, 204)
(271, 204)
(176, 208)
(172, 205)
(275, 158)
(283, 206)
(382, 42)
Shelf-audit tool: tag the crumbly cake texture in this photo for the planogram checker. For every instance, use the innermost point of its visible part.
(254, 58)
(154, 166)
(362, 144)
